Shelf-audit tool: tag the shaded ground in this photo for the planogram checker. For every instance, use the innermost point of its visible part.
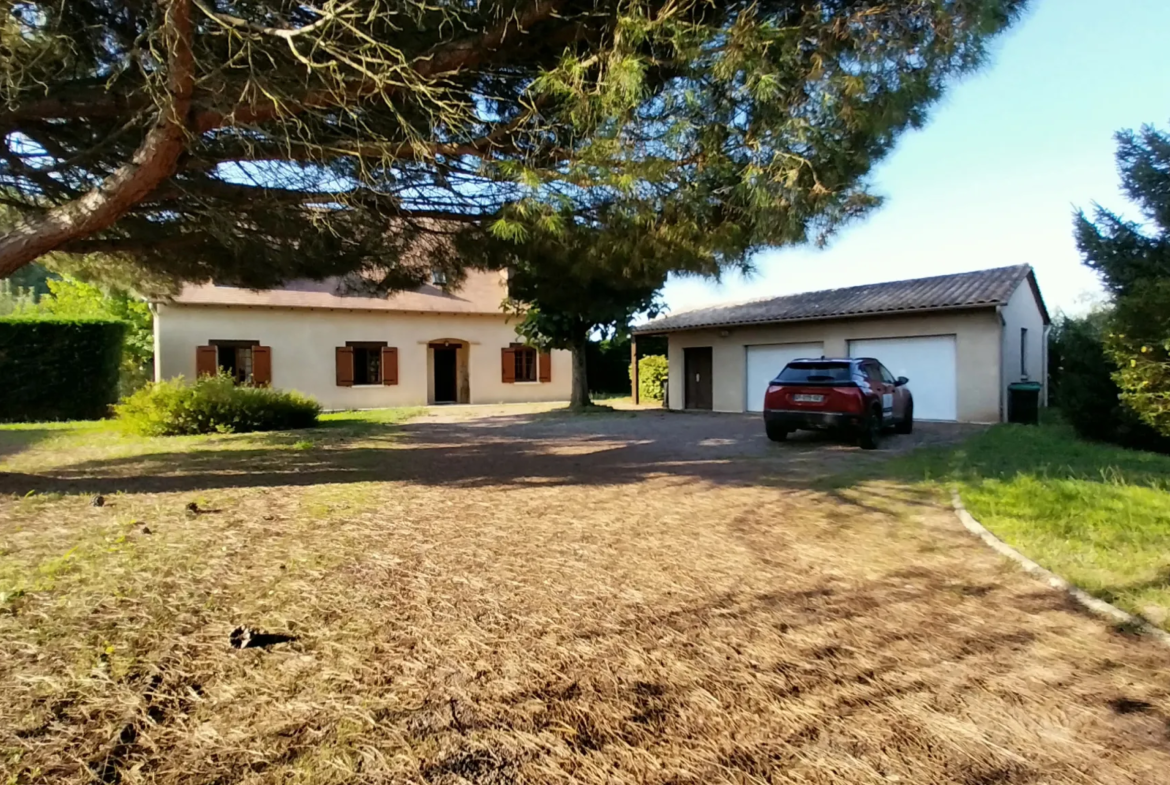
(632, 597)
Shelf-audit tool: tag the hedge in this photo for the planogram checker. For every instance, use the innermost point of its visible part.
(55, 368)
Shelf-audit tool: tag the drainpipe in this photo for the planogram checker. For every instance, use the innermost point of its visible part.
(634, 368)
(1002, 375)
(153, 306)
(1044, 361)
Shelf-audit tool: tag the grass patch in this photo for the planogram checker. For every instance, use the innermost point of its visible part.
(35, 447)
(512, 602)
(1093, 513)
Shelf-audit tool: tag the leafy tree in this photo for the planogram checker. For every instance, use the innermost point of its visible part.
(573, 284)
(33, 278)
(15, 299)
(253, 141)
(76, 299)
(1133, 260)
(1082, 382)
(572, 280)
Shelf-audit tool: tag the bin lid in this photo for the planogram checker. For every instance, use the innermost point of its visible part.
(1026, 386)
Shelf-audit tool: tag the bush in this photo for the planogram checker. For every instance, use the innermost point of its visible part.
(652, 375)
(1083, 385)
(214, 404)
(58, 368)
(1139, 344)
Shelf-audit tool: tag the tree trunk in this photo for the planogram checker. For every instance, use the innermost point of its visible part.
(153, 162)
(580, 394)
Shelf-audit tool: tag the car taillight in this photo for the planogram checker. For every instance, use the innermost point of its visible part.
(773, 388)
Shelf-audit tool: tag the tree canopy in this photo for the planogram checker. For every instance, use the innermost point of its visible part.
(580, 280)
(1133, 260)
(254, 141)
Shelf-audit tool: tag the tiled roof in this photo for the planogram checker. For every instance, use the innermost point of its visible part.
(982, 288)
(481, 293)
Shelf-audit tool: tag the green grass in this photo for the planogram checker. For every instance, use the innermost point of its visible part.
(59, 444)
(1095, 514)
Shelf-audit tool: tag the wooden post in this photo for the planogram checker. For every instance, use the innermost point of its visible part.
(634, 368)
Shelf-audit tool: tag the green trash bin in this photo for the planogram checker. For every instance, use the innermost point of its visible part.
(1024, 402)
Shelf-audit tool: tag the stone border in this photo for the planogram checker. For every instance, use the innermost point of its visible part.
(1099, 607)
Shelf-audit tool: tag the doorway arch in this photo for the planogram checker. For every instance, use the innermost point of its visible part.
(448, 380)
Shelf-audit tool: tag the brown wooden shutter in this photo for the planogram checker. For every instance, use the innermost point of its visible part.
(206, 361)
(508, 366)
(345, 366)
(389, 365)
(545, 365)
(261, 366)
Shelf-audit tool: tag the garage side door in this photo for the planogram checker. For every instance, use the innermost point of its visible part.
(929, 364)
(764, 362)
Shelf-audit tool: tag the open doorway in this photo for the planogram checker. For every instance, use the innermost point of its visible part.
(446, 385)
(449, 381)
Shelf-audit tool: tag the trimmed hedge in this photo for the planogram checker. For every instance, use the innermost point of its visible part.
(54, 368)
(214, 404)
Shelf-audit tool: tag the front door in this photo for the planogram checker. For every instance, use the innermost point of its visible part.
(446, 388)
(697, 366)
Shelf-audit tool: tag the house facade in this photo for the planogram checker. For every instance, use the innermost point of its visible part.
(960, 339)
(429, 346)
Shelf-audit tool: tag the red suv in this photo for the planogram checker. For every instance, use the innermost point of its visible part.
(856, 395)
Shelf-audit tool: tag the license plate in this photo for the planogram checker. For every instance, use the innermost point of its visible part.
(803, 398)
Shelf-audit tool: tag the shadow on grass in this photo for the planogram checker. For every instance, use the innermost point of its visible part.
(611, 447)
(16, 438)
(1052, 451)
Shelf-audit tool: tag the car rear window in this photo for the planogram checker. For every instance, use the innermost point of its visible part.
(815, 372)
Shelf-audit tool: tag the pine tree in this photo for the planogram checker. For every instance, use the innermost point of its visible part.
(253, 141)
(1133, 260)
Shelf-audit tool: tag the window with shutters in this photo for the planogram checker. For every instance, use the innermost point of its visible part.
(367, 361)
(235, 358)
(525, 363)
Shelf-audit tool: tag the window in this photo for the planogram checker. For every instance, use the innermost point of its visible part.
(887, 377)
(795, 373)
(525, 364)
(235, 359)
(438, 278)
(367, 361)
(1024, 352)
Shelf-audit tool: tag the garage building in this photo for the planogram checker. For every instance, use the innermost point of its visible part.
(960, 339)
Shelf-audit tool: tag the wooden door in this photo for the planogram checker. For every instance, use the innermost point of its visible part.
(697, 362)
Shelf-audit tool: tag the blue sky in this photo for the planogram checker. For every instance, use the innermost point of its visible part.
(994, 176)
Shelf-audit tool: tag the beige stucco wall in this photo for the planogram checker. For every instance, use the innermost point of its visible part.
(303, 358)
(977, 343)
(1022, 311)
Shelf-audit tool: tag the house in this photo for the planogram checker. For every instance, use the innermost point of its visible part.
(960, 339)
(431, 345)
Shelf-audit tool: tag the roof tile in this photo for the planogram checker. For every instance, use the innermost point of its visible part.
(942, 292)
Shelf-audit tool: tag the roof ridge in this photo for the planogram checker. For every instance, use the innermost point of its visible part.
(753, 300)
(969, 288)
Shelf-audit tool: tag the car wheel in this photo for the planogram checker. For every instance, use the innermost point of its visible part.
(776, 433)
(907, 423)
(871, 431)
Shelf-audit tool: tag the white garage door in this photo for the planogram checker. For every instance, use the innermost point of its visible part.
(929, 364)
(764, 362)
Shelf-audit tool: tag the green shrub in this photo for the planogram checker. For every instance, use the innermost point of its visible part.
(1084, 387)
(214, 404)
(57, 368)
(652, 375)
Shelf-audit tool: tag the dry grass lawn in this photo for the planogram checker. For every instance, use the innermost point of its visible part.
(625, 598)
